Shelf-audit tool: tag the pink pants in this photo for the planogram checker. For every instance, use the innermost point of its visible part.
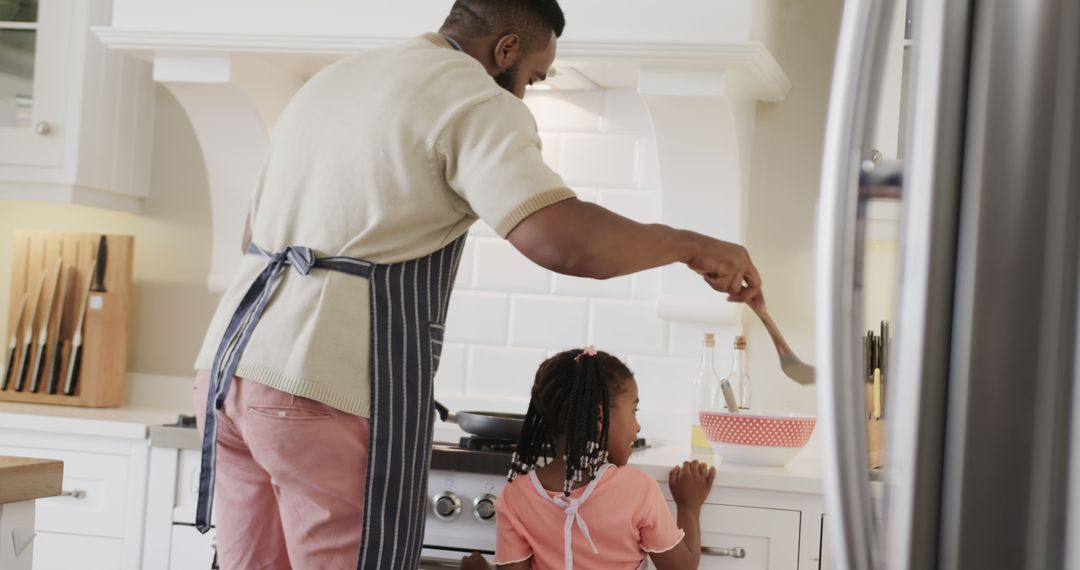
(289, 487)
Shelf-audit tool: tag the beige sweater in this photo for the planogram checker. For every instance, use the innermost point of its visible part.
(386, 156)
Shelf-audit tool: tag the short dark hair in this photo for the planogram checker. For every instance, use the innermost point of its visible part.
(532, 20)
(572, 391)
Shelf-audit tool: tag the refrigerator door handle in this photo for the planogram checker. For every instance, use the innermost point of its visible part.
(852, 101)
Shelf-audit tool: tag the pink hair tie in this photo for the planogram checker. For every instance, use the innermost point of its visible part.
(588, 350)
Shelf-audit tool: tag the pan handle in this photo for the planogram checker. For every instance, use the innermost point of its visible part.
(443, 411)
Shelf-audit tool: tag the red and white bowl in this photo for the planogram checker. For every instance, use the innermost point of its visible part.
(757, 438)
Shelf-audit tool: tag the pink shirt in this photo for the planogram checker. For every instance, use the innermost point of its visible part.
(622, 514)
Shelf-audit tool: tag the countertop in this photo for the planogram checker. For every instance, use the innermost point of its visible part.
(127, 422)
(141, 422)
(26, 479)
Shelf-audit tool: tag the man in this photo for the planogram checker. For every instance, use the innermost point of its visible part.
(315, 383)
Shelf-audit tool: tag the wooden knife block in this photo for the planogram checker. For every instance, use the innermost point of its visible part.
(106, 322)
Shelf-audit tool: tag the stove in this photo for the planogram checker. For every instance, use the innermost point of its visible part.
(466, 477)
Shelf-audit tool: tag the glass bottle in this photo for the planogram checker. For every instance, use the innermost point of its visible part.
(706, 386)
(738, 378)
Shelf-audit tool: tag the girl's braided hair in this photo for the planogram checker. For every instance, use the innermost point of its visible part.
(570, 389)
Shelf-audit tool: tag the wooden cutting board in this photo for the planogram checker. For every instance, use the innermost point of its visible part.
(25, 478)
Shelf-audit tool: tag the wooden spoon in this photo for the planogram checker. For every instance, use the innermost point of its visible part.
(790, 364)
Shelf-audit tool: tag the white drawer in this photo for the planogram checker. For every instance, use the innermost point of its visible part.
(103, 480)
(768, 537)
(67, 551)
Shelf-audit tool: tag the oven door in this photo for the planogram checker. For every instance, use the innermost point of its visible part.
(443, 557)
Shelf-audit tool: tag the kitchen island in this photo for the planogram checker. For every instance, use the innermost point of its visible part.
(22, 481)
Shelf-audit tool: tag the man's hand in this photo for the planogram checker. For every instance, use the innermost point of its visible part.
(690, 484)
(726, 267)
(474, 561)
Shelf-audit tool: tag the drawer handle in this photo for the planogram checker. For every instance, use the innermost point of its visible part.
(74, 493)
(736, 552)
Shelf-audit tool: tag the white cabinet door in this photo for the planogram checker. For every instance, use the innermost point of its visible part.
(54, 551)
(191, 550)
(98, 483)
(768, 538)
(35, 55)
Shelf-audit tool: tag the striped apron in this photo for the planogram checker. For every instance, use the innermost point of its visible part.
(408, 303)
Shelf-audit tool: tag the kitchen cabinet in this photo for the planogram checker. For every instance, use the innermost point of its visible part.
(748, 538)
(98, 520)
(75, 118)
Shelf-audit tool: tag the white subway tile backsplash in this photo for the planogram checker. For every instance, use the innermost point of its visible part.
(549, 149)
(609, 161)
(549, 322)
(638, 205)
(686, 339)
(618, 287)
(475, 317)
(502, 371)
(648, 165)
(566, 111)
(465, 267)
(664, 383)
(481, 229)
(450, 379)
(646, 284)
(500, 267)
(625, 113)
(587, 194)
(628, 326)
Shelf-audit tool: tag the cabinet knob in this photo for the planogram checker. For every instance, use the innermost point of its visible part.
(42, 128)
(736, 552)
(73, 493)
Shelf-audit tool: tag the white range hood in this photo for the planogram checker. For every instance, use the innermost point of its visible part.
(700, 67)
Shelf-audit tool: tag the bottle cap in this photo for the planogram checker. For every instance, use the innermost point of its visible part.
(740, 342)
(710, 339)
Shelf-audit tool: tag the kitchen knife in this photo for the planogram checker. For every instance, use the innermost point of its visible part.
(13, 345)
(877, 393)
(28, 333)
(99, 266)
(43, 333)
(75, 361)
(58, 348)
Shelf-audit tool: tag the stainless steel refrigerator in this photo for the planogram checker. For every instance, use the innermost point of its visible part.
(983, 394)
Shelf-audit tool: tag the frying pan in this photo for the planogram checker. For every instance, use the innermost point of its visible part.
(484, 424)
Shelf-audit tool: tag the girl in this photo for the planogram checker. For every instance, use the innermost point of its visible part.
(572, 502)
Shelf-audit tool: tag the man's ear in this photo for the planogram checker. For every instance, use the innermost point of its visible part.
(507, 51)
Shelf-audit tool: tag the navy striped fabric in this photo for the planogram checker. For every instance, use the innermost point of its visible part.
(408, 313)
(237, 334)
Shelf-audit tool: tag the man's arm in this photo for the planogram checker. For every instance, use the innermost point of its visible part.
(585, 240)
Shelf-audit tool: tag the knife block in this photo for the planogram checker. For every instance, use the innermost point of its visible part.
(875, 430)
(100, 379)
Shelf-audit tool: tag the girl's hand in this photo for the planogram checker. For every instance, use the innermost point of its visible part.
(690, 483)
(474, 561)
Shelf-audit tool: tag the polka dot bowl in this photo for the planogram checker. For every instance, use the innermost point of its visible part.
(757, 438)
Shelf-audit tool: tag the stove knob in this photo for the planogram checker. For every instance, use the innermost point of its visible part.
(484, 508)
(447, 506)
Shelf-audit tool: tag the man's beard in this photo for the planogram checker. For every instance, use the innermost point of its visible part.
(508, 78)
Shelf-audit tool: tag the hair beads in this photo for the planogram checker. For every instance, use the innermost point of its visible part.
(571, 396)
